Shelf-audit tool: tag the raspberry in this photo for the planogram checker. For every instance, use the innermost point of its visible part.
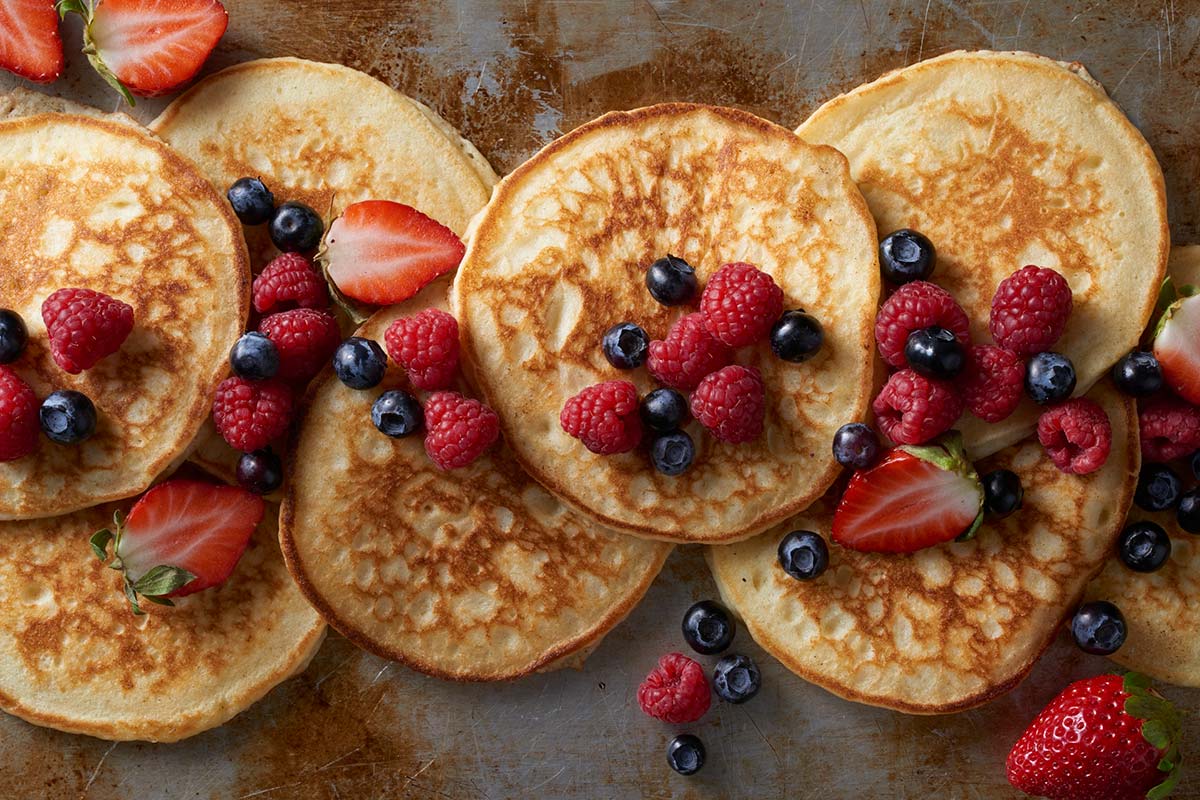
(1077, 436)
(740, 304)
(912, 409)
(459, 429)
(19, 424)
(289, 281)
(305, 340)
(675, 691)
(84, 327)
(604, 417)
(912, 307)
(687, 354)
(1169, 428)
(731, 403)
(1030, 310)
(426, 345)
(992, 382)
(249, 415)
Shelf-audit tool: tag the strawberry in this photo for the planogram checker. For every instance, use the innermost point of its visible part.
(380, 252)
(1102, 738)
(182, 536)
(1177, 347)
(29, 42)
(915, 497)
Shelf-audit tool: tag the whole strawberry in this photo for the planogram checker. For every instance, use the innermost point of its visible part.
(458, 429)
(426, 345)
(1103, 738)
(84, 326)
(19, 426)
(305, 339)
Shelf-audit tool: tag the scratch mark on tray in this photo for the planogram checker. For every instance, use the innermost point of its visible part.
(924, 26)
(96, 771)
(417, 774)
(1020, 24)
(762, 736)
(1129, 71)
(339, 758)
(260, 792)
(329, 674)
(561, 770)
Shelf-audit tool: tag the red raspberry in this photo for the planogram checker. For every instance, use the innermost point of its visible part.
(426, 345)
(1170, 429)
(912, 409)
(604, 417)
(1077, 436)
(992, 382)
(289, 281)
(914, 306)
(305, 339)
(1030, 310)
(740, 304)
(687, 354)
(731, 404)
(249, 415)
(84, 327)
(675, 691)
(458, 428)
(19, 426)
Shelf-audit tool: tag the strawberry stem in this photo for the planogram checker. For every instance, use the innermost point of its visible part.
(154, 585)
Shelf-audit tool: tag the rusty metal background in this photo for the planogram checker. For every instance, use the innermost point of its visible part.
(512, 75)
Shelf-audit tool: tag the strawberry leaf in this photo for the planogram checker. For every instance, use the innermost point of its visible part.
(1164, 789)
(100, 541)
(65, 7)
(162, 580)
(132, 597)
(1162, 728)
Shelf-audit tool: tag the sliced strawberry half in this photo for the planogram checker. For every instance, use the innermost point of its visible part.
(381, 252)
(29, 42)
(915, 497)
(1177, 347)
(181, 537)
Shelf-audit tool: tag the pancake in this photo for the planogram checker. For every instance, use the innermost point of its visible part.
(95, 202)
(948, 627)
(1008, 159)
(559, 256)
(473, 574)
(74, 657)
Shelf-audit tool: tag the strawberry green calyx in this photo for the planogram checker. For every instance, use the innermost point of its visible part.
(1170, 298)
(947, 452)
(1162, 729)
(154, 585)
(87, 9)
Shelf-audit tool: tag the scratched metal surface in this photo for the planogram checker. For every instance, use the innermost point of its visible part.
(512, 75)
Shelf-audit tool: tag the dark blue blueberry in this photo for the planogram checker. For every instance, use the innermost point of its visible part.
(625, 345)
(673, 452)
(67, 417)
(296, 228)
(736, 678)
(797, 336)
(1002, 492)
(906, 256)
(13, 336)
(252, 201)
(359, 363)
(1144, 546)
(685, 754)
(1195, 462)
(1049, 377)
(260, 472)
(1138, 374)
(1158, 487)
(803, 555)
(856, 445)
(671, 281)
(1188, 513)
(1098, 628)
(664, 410)
(708, 627)
(935, 353)
(254, 357)
(397, 413)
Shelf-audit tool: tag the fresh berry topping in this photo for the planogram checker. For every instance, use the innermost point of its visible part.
(13, 336)
(740, 303)
(84, 326)
(687, 355)
(249, 415)
(1077, 436)
(935, 353)
(460, 429)
(67, 417)
(305, 340)
(296, 228)
(604, 417)
(260, 472)
(1194, 462)
(856, 445)
(672, 453)
(708, 627)
(664, 410)
(1177, 347)
(359, 363)
(906, 256)
(671, 281)
(251, 200)
(397, 414)
(1188, 513)
(626, 345)
(1049, 377)
(426, 345)
(913, 409)
(912, 307)
(914, 498)
(1002, 492)
(803, 555)
(181, 537)
(1144, 546)
(254, 357)
(675, 691)
(797, 336)
(382, 252)
(992, 382)
(29, 42)
(731, 404)
(289, 281)
(1158, 487)
(1138, 374)
(685, 754)
(1170, 429)
(1098, 628)
(1030, 310)
(736, 678)
(18, 417)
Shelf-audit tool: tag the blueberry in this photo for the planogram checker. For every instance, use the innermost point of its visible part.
(708, 627)
(13, 336)
(736, 678)
(397, 413)
(1188, 513)
(1138, 374)
(1194, 460)
(671, 281)
(1098, 628)
(803, 555)
(906, 256)
(67, 417)
(685, 754)
(664, 410)
(254, 357)
(1158, 488)
(856, 445)
(625, 345)
(260, 472)
(296, 228)
(673, 453)
(359, 363)
(252, 201)
(1049, 377)
(1144, 546)
(797, 336)
(1002, 492)
(935, 353)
